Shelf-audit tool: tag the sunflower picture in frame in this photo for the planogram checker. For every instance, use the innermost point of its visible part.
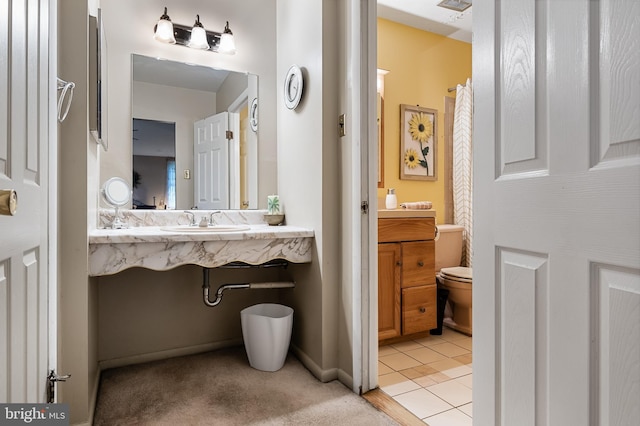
(418, 139)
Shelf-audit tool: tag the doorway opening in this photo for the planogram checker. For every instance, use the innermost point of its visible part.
(428, 375)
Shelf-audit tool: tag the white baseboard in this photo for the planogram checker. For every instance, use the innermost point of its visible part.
(323, 375)
(346, 379)
(94, 396)
(169, 353)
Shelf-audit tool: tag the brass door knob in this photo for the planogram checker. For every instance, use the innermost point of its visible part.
(8, 202)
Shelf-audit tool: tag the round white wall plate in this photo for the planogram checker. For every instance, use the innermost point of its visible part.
(293, 85)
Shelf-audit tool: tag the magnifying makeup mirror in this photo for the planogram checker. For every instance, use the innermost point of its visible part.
(117, 193)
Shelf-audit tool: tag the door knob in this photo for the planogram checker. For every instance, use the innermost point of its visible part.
(8, 202)
(422, 310)
(421, 263)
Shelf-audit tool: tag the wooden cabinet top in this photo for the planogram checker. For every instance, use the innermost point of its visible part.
(409, 229)
(404, 213)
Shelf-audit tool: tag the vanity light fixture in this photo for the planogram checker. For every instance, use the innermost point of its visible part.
(198, 38)
(195, 37)
(227, 43)
(164, 29)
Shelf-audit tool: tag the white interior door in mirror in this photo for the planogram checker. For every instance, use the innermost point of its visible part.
(211, 162)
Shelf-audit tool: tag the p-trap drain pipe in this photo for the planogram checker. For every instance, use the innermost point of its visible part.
(222, 288)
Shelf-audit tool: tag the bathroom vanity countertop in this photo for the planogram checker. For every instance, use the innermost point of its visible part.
(114, 250)
(400, 213)
(155, 234)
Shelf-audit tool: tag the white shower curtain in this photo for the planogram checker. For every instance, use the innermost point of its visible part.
(463, 167)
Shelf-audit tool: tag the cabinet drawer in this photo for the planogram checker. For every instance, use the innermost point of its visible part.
(409, 229)
(418, 263)
(418, 309)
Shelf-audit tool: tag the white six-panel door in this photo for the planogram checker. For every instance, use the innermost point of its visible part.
(24, 122)
(211, 162)
(556, 212)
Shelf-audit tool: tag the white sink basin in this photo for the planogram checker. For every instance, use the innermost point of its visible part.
(205, 229)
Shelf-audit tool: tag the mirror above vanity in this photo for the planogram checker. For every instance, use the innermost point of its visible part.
(193, 143)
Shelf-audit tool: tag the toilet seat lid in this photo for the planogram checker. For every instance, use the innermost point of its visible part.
(459, 273)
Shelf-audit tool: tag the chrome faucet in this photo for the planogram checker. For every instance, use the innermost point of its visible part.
(193, 218)
(211, 222)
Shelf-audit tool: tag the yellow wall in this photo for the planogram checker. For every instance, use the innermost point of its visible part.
(421, 66)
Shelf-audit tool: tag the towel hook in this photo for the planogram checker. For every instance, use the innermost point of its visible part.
(65, 86)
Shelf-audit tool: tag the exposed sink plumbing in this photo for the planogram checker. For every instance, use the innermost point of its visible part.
(222, 288)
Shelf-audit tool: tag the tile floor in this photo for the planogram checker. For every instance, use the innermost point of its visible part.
(430, 377)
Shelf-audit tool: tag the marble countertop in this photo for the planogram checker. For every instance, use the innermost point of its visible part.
(151, 247)
(155, 234)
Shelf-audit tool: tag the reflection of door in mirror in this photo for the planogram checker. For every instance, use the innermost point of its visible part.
(211, 162)
(154, 164)
(221, 175)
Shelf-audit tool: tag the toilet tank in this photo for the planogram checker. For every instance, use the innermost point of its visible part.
(448, 246)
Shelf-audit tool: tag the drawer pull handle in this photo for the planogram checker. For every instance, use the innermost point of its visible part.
(421, 263)
(399, 263)
(422, 310)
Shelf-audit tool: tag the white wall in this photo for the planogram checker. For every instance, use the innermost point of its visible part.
(308, 172)
(129, 29)
(231, 89)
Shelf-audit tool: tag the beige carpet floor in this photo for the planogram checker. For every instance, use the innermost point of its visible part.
(220, 388)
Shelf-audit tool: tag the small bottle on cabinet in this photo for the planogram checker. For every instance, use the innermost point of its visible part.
(391, 202)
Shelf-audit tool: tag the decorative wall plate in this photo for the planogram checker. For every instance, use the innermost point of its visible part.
(253, 115)
(293, 85)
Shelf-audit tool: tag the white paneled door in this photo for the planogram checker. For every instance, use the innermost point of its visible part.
(24, 156)
(211, 162)
(557, 212)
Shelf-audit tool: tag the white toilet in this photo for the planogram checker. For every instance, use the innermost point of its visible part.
(453, 277)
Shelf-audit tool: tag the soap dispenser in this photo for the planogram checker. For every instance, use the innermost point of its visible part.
(391, 202)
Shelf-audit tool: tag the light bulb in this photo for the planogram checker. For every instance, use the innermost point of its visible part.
(164, 29)
(227, 43)
(198, 38)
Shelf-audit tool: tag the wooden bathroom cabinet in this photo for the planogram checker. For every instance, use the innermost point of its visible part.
(406, 277)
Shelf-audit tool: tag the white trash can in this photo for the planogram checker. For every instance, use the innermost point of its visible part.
(266, 331)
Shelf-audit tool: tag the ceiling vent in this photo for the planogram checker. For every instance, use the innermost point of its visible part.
(457, 5)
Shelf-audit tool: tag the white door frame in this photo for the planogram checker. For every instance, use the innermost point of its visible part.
(53, 187)
(369, 187)
(361, 38)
